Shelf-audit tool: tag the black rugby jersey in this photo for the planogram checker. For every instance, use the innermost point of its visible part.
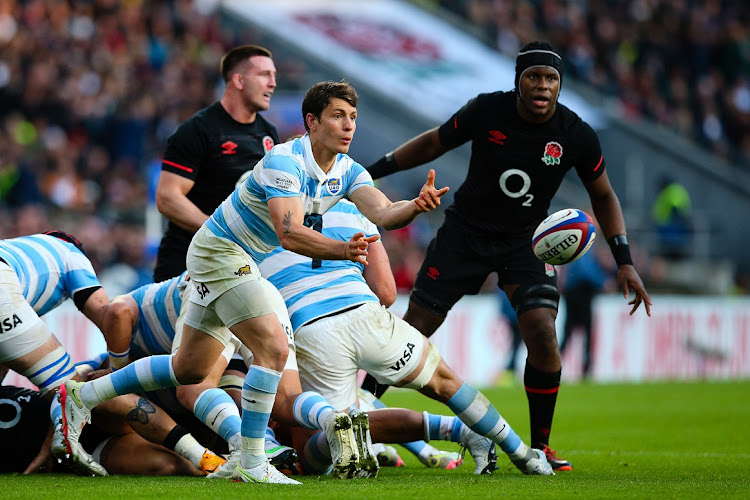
(24, 420)
(516, 167)
(213, 150)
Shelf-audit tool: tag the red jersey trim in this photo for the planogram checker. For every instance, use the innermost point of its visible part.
(177, 165)
(601, 159)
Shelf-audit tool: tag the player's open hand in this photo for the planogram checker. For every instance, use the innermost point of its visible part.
(627, 278)
(429, 195)
(356, 247)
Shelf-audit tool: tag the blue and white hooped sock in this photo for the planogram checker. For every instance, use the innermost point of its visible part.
(258, 394)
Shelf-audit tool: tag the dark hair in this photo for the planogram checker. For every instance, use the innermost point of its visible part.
(319, 97)
(62, 235)
(237, 56)
(538, 54)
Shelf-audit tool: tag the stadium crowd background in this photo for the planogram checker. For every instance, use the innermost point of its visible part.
(91, 89)
(683, 63)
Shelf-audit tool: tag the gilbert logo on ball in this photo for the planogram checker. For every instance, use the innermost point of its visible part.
(563, 237)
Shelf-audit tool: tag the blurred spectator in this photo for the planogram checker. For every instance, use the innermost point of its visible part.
(672, 216)
(508, 375)
(580, 282)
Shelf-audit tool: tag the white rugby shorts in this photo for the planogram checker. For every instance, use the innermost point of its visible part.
(330, 351)
(21, 329)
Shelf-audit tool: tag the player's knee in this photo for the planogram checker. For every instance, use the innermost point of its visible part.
(528, 298)
(190, 373)
(425, 375)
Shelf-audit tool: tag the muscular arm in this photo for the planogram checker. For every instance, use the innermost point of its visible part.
(120, 320)
(609, 214)
(287, 217)
(606, 206)
(393, 215)
(419, 150)
(378, 274)
(172, 201)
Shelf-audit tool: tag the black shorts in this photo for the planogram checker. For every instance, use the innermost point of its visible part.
(458, 262)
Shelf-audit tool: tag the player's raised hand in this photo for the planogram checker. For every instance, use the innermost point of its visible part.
(627, 278)
(356, 247)
(429, 195)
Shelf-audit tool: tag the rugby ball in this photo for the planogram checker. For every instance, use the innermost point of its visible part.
(563, 237)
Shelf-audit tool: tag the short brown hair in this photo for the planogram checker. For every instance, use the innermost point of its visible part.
(239, 55)
(319, 97)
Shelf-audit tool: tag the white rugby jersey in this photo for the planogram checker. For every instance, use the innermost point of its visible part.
(158, 308)
(315, 288)
(50, 270)
(287, 170)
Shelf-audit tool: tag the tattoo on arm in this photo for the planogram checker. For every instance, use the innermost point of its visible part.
(287, 222)
(141, 411)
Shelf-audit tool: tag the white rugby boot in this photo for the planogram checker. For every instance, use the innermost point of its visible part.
(65, 445)
(343, 444)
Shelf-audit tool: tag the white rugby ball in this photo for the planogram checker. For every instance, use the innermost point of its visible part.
(563, 237)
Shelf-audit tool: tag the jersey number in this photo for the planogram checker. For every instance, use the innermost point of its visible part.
(524, 191)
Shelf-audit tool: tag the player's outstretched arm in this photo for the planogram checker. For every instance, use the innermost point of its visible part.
(376, 206)
(287, 217)
(608, 212)
(417, 151)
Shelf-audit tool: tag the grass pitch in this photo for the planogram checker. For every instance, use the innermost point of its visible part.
(666, 440)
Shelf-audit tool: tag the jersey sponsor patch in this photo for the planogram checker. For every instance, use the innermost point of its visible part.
(552, 153)
(9, 323)
(497, 137)
(268, 143)
(229, 148)
(333, 186)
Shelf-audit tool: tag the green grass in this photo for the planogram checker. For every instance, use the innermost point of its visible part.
(677, 440)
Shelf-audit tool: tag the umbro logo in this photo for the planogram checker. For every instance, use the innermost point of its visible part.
(497, 137)
(229, 148)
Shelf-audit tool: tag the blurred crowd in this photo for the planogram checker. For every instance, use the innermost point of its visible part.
(90, 90)
(683, 63)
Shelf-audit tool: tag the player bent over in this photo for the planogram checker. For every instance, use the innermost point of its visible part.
(341, 327)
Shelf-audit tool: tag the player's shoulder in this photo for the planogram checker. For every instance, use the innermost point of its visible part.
(489, 101)
(570, 121)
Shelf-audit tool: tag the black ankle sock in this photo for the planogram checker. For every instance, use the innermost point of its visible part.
(174, 436)
(541, 391)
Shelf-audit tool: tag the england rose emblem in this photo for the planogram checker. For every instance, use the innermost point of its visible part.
(552, 153)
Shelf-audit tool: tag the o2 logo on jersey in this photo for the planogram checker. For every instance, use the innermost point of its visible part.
(267, 143)
(333, 186)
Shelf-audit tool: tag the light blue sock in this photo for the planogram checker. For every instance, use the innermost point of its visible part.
(215, 408)
(316, 456)
(258, 394)
(480, 415)
(142, 375)
(311, 410)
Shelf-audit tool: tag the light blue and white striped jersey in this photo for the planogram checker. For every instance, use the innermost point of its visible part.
(50, 270)
(315, 288)
(287, 170)
(158, 308)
